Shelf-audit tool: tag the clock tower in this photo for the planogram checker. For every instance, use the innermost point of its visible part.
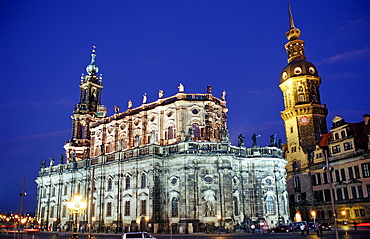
(304, 117)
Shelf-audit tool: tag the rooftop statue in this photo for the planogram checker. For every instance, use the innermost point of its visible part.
(240, 140)
(254, 139)
(181, 88)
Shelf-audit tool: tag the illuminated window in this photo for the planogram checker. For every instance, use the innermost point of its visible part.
(270, 206)
(127, 208)
(175, 207)
(128, 182)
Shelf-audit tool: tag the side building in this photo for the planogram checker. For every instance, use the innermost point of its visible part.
(349, 158)
(165, 165)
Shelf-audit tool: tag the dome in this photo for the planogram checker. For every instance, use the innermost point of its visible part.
(298, 68)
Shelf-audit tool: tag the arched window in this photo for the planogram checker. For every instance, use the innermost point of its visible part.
(127, 208)
(270, 206)
(175, 207)
(336, 136)
(110, 183)
(143, 180)
(236, 206)
(170, 132)
(343, 134)
(128, 182)
(143, 207)
(196, 130)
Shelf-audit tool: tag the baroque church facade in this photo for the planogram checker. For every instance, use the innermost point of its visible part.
(166, 165)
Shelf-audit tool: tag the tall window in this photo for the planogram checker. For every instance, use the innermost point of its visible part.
(354, 192)
(236, 206)
(143, 180)
(79, 189)
(143, 207)
(175, 207)
(368, 190)
(339, 194)
(110, 183)
(64, 211)
(52, 211)
(128, 182)
(65, 190)
(270, 207)
(366, 170)
(350, 173)
(343, 174)
(196, 130)
(53, 192)
(170, 132)
(345, 191)
(357, 172)
(360, 192)
(325, 176)
(109, 209)
(127, 208)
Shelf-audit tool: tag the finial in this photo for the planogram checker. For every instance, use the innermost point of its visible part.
(92, 69)
(291, 21)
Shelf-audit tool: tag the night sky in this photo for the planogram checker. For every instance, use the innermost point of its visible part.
(145, 46)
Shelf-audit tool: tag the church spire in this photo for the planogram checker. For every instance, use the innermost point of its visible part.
(295, 46)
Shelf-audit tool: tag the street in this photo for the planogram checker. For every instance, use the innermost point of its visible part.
(343, 234)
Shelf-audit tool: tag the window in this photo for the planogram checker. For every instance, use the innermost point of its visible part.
(297, 182)
(291, 129)
(110, 184)
(350, 173)
(270, 207)
(294, 149)
(143, 207)
(327, 195)
(357, 212)
(318, 175)
(236, 206)
(360, 192)
(127, 208)
(65, 190)
(368, 190)
(313, 179)
(365, 170)
(343, 174)
(343, 134)
(170, 132)
(79, 189)
(53, 192)
(362, 212)
(196, 130)
(354, 193)
(175, 207)
(318, 196)
(345, 191)
(128, 182)
(348, 146)
(325, 176)
(339, 194)
(336, 149)
(64, 211)
(52, 211)
(337, 178)
(357, 172)
(143, 180)
(109, 209)
(336, 136)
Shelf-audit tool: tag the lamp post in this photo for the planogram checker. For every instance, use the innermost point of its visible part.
(219, 217)
(313, 214)
(76, 206)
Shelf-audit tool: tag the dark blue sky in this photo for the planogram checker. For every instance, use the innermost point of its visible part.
(144, 46)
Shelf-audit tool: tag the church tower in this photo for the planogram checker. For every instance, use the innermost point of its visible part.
(304, 117)
(85, 112)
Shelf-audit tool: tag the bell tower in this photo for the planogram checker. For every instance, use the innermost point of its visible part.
(304, 115)
(86, 111)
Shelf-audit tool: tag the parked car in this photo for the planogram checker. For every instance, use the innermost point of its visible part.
(137, 235)
(282, 228)
(311, 225)
(326, 226)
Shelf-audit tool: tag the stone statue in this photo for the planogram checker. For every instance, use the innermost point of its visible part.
(116, 109)
(182, 135)
(51, 161)
(120, 144)
(73, 155)
(61, 159)
(43, 164)
(240, 140)
(254, 139)
(145, 98)
(224, 134)
(181, 88)
(272, 140)
(223, 95)
(160, 94)
(280, 143)
(209, 89)
(129, 104)
(152, 137)
(190, 134)
(137, 141)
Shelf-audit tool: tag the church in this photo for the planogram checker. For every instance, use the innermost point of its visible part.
(164, 166)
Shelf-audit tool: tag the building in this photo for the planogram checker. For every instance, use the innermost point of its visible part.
(349, 159)
(305, 124)
(165, 165)
(304, 119)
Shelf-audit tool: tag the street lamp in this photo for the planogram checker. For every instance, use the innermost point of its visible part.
(76, 206)
(313, 214)
(219, 217)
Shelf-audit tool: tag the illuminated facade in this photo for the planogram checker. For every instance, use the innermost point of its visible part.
(167, 162)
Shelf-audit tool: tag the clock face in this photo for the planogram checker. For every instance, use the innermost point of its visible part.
(304, 120)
